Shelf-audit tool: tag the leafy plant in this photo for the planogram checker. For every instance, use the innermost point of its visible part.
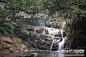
(33, 36)
(24, 34)
(6, 25)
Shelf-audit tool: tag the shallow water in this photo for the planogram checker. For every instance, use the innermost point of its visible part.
(41, 53)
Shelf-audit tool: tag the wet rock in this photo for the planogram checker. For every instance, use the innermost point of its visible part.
(49, 24)
(57, 35)
(46, 31)
(64, 34)
(54, 47)
(35, 54)
(39, 30)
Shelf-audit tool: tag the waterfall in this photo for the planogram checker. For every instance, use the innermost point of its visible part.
(42, 25)
(35, 29)
(61, 44)
(51, 45)
(44, 31)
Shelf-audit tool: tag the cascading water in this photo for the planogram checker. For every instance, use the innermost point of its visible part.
(61, 44)
(42, 24)
(35, 29)
(44, 31)
(51, 25)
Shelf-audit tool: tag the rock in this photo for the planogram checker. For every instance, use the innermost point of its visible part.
(54, 47)
(57, 35)
(6, 47)
(39, 30)
(14, 39)
(11, 49)
(34, 45)
(48, 39)
(23, 47)
(55, 25)
(42, 47)
(28, 27)
(46, 31)
(49, 24)
(35, 54)
(6, 39)
(43, 42)
(43, 36)
(64, 34)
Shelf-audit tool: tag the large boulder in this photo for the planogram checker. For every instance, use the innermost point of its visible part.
(6, 39)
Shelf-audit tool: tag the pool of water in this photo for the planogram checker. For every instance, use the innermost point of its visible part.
(41, 53)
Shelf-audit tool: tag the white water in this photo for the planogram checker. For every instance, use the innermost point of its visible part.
(51, 32)
(35, 29)
(61, 44)
(44, 31)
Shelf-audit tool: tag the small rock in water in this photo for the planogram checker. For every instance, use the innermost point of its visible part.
(35, 54)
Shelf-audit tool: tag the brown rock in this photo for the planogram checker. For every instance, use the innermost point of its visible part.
(6, 47)
(30, 27)
(6, 39)
(39, 30)
(57, 35)
(47, 31)
(11, 49)
(43, 36)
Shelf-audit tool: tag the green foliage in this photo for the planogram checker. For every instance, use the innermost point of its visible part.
(24, 31)
(24, 34)
(7, 27)
(33, 35)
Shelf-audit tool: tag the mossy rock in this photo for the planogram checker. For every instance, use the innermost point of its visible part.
(43, 40)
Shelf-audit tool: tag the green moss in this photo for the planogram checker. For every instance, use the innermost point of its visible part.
(43, 40)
